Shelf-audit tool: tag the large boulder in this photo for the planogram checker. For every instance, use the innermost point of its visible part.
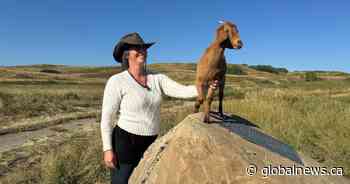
(223, 152)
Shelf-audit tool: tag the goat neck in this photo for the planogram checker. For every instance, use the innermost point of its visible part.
(218, 49)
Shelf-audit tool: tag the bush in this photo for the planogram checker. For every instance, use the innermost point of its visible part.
(268, 68)
(235, 70)
(311, 76)
(50, 71)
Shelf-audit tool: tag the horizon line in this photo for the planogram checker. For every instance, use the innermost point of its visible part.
(171, 62)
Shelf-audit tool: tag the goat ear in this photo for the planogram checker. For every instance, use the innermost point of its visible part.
(221, 22)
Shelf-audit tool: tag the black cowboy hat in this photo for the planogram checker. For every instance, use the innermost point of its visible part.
(131, 39)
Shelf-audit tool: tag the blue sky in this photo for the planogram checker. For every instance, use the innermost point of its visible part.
(298, 35)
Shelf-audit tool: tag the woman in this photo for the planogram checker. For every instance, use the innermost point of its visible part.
(136, 94)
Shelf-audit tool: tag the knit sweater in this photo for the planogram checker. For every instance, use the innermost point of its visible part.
(138, 106)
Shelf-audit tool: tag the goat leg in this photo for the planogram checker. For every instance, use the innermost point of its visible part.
(221, 96)
(200, 98)
(207, 105)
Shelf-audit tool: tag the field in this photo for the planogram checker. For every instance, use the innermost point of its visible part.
(311, 116)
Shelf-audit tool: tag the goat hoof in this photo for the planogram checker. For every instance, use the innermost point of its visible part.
(206, 120)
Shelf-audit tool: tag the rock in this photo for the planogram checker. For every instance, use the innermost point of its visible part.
(195, 152)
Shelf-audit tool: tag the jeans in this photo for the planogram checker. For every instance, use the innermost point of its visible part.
(129, 149)
(121, 174)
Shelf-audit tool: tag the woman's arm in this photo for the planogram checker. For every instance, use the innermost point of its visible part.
(110, 107)
(174, 89)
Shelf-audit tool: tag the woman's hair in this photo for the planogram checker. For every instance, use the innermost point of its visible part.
(125, 60)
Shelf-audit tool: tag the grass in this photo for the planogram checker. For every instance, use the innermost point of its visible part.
(172, 66)
(73, 163)
(307, 115)
(318, 126)
(319, 131)
(44, 121)
(22, 102)
(170, 120)
(345, 99)
(78, 160)
(321, 84)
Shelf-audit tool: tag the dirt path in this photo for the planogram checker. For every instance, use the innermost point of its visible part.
(15, 140)
(24, 147)
(341, 94)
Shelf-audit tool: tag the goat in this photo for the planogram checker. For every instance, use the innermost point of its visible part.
(212, 66)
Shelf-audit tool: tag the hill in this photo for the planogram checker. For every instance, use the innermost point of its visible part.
(310, 116)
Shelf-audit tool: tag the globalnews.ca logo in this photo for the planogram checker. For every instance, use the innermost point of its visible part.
(295, 170)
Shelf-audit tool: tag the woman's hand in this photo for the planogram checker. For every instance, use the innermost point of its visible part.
(110, 159)
(214, 85)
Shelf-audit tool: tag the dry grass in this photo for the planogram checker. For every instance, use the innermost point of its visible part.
(28, 101)
(310, 116)
(79, 160)
(45, 121)
(315, 125)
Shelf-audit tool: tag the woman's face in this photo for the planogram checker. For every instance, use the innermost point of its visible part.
(137, 54)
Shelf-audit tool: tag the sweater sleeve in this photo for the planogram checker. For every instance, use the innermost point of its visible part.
(173, 89)
(110, 107)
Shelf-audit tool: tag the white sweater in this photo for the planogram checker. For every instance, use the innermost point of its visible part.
(138, 107)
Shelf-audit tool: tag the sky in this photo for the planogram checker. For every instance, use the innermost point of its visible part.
(294, 34)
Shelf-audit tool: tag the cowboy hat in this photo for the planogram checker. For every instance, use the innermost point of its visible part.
(131, 39)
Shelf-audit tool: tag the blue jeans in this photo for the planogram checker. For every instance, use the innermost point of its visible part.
(129, 149)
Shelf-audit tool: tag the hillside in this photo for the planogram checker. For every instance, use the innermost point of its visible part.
(310, 116)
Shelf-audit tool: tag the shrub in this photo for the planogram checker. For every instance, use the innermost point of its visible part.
(50, 71)
(311, 76)
(235, 70)
(269, 68)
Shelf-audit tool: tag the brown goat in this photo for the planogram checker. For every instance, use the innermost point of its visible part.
(212, 66)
